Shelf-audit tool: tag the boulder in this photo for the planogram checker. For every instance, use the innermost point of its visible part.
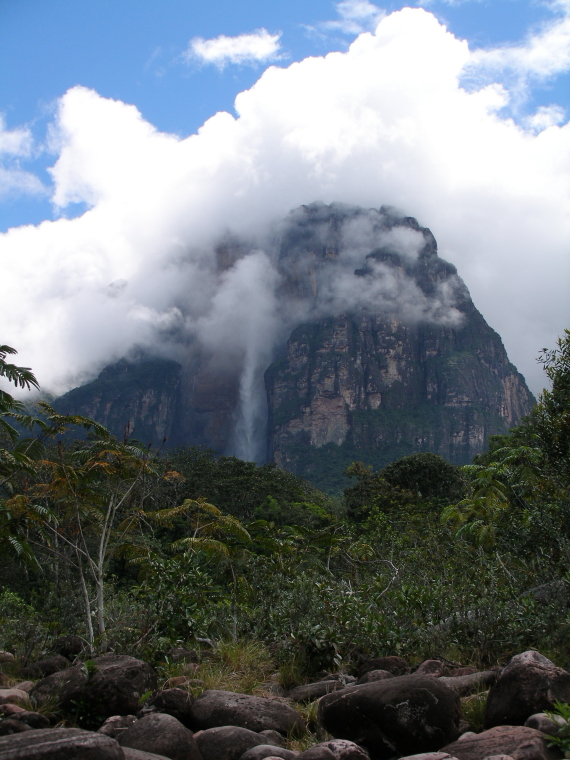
(114, 688)
(311, 691)
(529, 684)
(10, 726)
(59, 744)
(69, 646)
(430, 668)
(227, 742)
(345, 750)
(175, 702)
(6, 656)
(393, 664)
(454, 672)
(32, 719)
(7, 696)
(397, 716)
(375, 675)
(261, 751)
(519, 742)
(471, 683)
(117, 725)
(318, 752)
(429, 756)
(9, 709)
(47, 666)
(272, 737)
(161, 734)
(25, 686)
(139, 754)
(225, 708)
(546, 724)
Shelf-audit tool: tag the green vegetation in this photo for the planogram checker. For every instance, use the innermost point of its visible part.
(138, 553)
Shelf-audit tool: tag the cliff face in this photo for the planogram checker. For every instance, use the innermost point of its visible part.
(389, 357)
(375, 387)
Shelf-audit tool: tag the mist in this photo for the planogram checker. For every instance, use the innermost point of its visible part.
(386, 123)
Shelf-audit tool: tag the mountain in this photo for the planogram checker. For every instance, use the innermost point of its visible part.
(387, 355)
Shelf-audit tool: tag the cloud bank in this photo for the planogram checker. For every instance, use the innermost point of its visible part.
(386, 122)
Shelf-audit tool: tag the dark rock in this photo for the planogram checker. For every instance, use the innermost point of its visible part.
(47, 666)
(261, 751)
(345, 750)
(227, 742)
(32, 719)
(115, 688)
(519, 742)
(6, 656)
(396, 716)
(272, 737)
(10, 726)
(139, 754)
(175, 702)
(529, 684)
(311, 691)
(117, 725)
(59, 744)
(429, 756)
(69, 646)
(430, 668)
(25, 686)
(471, 683)
(163, 735)
(225, 708)
(318, 752)
(10, 709)
(7, 696)
(393, 664)
(375, 675)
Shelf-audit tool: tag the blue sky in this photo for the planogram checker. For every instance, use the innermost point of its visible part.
(133, 50)
(119, 168)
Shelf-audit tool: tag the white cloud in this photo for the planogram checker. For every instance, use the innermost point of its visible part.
(14, 181)
(256, 47)
(354, 17)
(386, 122)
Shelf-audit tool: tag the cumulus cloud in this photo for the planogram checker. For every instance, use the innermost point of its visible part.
(14, 181)
(354, 17)
(256, 47)
(386, 122)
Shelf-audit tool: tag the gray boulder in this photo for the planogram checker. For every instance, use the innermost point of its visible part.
(345, 750)
(11, 726)
(227, 742)
(261, 751)
(114, 688)
(430, 668)
(272, 737)
(397, 716)
(471, 683)
(519, 742)
(139, 754)
(59, 744)
(175, 702)
(117, 725)
(318, 752)
(161, 734)
(7, 696)
(546, 724)
(375, 675)
(225, 708)
(32, 719)
(311, 691)
(529, 684)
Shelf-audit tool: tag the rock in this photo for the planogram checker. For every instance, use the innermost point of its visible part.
(318, 752)
(69, 646)
(161, 734)
(117, 725)
(261, 751)
(11, 726)
(47, 666)
(6, 656)
(176, 681)
(466, 735)
(498, 757)
(25, 686)
(139, 754)
(181, 654)
(546, 724)
(471, 683)
(274, 688)
(311, 691)
(115, 687)
(375, 675)
(529, 684)
(225, 708)
(393, 664)
(227, 742)
(32, 719)
(7, 696)
(455, 672)
(272, 737)
(345, 750)
(59, 744)
(10, 709)
(430, 668)
(429, 756)
(175, 702)
(396, 716)
(519, 742)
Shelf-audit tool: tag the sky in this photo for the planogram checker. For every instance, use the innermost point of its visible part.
(135, 133)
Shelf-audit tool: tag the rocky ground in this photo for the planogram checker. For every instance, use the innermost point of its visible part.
(385, 711)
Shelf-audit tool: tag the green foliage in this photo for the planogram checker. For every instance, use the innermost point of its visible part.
(562, 737)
